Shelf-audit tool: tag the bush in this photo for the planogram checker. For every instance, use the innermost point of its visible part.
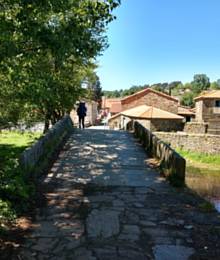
(15, 190)
(6, 212)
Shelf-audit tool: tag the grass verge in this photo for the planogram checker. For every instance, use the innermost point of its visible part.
(200, 158)
(14, 190)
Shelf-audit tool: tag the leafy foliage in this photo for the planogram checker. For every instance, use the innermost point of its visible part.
(160, 87)
(123, 93)
(46, 51)
(215, 85)
(187, 99)
(174, 85)
(95, 90)
(200, 82)
(14, 188)
(6, 212)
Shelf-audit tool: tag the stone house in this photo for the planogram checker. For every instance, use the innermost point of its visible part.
(111, 105)
(152, 98)
(150, 117)
(147, 97)
(187, 112)
(208, 111)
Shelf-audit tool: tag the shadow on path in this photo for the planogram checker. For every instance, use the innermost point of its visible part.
(103, 202)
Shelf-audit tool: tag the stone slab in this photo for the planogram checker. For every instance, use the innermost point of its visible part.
(171, 252)
(102, 224)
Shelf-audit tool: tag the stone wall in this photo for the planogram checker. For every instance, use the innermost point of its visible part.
(145, 123)
(202, 143)
(196, 127)
(38, 156)
(166, 125)
(162, 124)
(120, 122)
(171, 163)
(115, 122)
(152, 99)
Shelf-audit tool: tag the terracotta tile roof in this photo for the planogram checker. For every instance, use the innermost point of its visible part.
(143, 93)
(185, 110)
(209, 95)
(115, 107)
(107, 102)
(149, 112)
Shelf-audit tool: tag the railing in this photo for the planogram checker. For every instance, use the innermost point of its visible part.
(171, 163)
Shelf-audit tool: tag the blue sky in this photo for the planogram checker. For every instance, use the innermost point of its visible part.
(156, 41)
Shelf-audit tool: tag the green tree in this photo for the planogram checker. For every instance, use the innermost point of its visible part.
(47, 48)
(215, 84)
(187, 86)
(162, 87)
(126, 92)
(98, 92)
(107, 93)
(174, 85)
(200, 82)
(132, 90)
(95, 90)
(187, 99)
(116, 94)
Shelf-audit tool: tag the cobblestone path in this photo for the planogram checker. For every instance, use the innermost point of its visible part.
(103, 202)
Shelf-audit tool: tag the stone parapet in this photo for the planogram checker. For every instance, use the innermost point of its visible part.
(171, 163)
(38, 156)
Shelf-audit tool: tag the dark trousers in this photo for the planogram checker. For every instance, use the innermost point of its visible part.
(81, 122)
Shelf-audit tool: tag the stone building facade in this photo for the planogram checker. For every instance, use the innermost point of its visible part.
(153, 98)
(208, 110)
(187, 112)
(196, 127)
(119, 122)
(147, 97)
(167, 125)
(152, 118)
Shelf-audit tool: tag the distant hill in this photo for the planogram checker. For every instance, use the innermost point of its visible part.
(184, 92)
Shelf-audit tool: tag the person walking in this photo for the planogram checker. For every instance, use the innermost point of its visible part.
(81, 112)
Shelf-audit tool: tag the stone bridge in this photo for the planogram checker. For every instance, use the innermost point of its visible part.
(103, 201)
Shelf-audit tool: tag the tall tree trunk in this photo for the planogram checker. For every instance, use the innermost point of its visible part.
(53, 118)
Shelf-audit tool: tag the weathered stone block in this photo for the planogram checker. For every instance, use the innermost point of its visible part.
(202, 143)
(172, 164)
(39, 154)
(102, 224)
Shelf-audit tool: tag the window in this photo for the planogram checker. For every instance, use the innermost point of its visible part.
(217, 103)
